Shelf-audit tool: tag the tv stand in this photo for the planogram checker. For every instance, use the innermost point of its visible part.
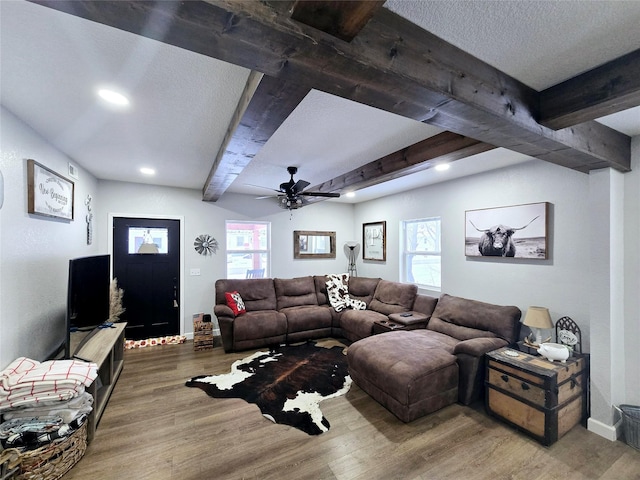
(106, 349)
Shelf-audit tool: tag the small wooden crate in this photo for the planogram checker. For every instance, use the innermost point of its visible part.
(202, 333)
(543, 399)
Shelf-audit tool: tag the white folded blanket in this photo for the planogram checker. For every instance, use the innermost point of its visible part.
(67, 410)
(27, 381)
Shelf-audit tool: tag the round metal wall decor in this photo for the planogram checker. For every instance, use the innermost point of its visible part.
(205, 245)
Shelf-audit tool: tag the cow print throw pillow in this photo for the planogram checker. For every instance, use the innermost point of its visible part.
(234, 300)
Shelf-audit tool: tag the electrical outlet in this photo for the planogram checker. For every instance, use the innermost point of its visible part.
(195, 272)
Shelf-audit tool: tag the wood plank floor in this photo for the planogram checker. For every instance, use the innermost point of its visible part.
(156, 428)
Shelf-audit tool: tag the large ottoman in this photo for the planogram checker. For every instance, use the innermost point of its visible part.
(407, 376)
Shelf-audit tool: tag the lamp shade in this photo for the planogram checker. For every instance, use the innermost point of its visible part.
(538, 317)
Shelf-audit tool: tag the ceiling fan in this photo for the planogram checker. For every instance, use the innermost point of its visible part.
(291, 194)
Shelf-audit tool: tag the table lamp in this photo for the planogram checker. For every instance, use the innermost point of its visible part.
(538, 319)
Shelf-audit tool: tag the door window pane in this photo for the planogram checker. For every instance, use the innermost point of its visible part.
(148, 240)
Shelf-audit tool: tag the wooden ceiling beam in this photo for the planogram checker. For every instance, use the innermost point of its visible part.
(607, 89)
(341, 18)
(392, 64)
(265, 104)
(445, 147)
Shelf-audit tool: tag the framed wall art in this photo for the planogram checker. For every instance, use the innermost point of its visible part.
(518, 231)
(49, 194)
(374, 241)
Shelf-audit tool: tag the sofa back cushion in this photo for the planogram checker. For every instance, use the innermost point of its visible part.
(393, 297)
(256, 293)
(464, 319)
(363, 288)
(294, 292)
(321, 289)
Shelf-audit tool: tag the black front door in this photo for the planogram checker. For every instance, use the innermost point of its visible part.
(146, 262)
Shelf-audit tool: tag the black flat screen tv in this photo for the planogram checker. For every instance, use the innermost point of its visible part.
(87, 295)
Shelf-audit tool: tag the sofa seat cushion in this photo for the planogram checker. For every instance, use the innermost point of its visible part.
(465, 319)
(357, 324)
(261, 324)
(408, 375)
(430, 339)
(307, 317)
(292, 292)
(393, 297)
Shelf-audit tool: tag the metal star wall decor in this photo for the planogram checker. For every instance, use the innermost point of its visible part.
(205, 245)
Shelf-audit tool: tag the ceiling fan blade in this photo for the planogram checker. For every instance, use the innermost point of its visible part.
(300, 186)
(266, 196)
(260, 186)
(320, 194)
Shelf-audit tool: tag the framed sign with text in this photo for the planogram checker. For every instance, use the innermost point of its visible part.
(49, 194)
(374, 241)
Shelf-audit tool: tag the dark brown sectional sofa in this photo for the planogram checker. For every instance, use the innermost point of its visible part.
(412, 373)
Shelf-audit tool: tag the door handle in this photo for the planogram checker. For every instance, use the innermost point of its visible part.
(175, 293)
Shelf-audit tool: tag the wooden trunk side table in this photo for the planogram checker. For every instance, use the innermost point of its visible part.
(541, 398)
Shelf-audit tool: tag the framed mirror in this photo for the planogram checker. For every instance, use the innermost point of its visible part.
(311, 244)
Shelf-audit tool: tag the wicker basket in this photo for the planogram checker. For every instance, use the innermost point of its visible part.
(631, 424)
(52, 461)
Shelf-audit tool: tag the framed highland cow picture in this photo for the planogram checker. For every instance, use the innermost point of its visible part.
(518, 231)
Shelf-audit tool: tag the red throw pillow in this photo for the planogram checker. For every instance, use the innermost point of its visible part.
(234, 300)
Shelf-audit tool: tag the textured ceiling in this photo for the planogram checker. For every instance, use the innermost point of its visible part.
(541, 43)
(182, 102)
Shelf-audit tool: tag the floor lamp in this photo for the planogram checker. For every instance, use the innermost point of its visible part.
(351, 269)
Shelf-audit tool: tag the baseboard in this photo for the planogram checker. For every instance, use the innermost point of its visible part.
(607, 431)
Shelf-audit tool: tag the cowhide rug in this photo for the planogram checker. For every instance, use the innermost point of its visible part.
(287, 383)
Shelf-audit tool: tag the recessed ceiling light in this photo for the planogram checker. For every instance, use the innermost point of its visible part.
(147, 171)
(350, 194)
(113, 97)
(441, 167)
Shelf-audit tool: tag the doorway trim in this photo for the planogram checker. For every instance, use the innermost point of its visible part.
(180, 218)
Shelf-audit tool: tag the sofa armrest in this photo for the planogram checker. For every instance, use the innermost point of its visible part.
(477, 347)
(223, 311)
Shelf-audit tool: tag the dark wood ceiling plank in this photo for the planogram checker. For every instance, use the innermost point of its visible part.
(607, 89)
(266, 102)
(341, 18)
(392, 64)
(445, 147)
(262, 110)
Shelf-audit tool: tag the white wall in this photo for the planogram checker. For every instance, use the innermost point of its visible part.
(209, 218)
(559, 283)
(632, 276)
(35, 250)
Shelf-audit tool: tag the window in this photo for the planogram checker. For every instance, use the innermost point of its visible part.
(248, 249)
(148, 240)
(420, 262)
